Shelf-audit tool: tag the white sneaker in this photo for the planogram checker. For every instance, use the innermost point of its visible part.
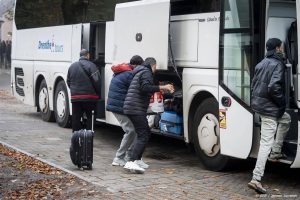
(142, 164)
(134, 168)
(118, 162)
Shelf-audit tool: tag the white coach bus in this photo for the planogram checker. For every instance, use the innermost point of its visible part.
(207, 48)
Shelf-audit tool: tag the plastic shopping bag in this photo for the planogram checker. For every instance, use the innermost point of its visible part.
(156, 103)
(150, 119)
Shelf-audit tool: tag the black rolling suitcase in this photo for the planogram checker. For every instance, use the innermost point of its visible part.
(81, 150)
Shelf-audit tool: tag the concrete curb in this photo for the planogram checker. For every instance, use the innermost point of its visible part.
(109, 189)
(51, 164)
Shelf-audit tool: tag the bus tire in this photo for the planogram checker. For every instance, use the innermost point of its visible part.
(206, 136)
(61, 105)
(43, 103)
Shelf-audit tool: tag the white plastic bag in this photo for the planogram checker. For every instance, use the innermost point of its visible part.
(150, 119)
(156, 103)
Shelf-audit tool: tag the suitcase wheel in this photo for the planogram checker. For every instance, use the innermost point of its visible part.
(90, 166)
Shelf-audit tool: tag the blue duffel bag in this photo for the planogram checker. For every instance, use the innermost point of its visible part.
(171, 123)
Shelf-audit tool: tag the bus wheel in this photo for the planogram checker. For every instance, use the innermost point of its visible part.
(207, 135)
(46, 113)
(61, 105)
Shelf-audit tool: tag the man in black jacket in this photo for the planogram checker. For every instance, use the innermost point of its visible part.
(135, 106)
(84, 82)
(268, 100)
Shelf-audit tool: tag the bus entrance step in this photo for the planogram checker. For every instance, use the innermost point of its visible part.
(290, 148)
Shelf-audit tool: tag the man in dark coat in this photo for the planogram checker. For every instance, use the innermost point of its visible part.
(8, 53)
(3, 53)
(84, 82)
(135, 106)
(116, 96)
(1, 59)
(268, 100)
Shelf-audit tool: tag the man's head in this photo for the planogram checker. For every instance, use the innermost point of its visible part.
(274, 45)
(136, 60)
(85, 53)
(150, 62)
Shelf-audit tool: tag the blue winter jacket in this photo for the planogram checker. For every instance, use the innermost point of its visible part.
(118, 87)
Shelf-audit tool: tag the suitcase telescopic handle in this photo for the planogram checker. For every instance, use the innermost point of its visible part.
(93, 120)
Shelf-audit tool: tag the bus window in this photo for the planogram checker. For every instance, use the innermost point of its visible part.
(184, 7)
(237, 14)
(235, 48)
(38, 13)
(42, 13)
(236, 57)
(91, 10)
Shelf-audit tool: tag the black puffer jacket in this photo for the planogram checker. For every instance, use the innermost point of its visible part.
(140, 90)
(268, 87)
(84, 86)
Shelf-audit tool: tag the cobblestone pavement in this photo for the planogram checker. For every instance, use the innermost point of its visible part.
(4, 79)
(174, 173)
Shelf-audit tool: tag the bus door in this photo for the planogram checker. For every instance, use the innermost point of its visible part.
(236, 52)
(96, 39)
(142, 28)
(296, 163)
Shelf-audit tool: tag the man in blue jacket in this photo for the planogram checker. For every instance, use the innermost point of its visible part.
(116, 96)
(268, 100)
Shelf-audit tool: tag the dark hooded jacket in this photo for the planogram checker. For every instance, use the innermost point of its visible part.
(268, 87)
(118, 87)
(140, 90)
(84, 85)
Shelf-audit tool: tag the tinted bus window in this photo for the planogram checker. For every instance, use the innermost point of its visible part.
(184, 7)
(41, 13)
(237, 14)
(36, 13)
(90, 11)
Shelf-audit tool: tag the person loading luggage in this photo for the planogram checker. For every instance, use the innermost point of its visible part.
(116, 96)
(84, 82)
(135, 106)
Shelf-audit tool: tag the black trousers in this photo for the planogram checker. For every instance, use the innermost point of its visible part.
(78, 108)
(143, 132)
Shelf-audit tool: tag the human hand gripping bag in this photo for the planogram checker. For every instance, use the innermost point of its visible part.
(156, 103)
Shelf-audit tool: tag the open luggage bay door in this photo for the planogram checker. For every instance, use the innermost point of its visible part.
(142, 28)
